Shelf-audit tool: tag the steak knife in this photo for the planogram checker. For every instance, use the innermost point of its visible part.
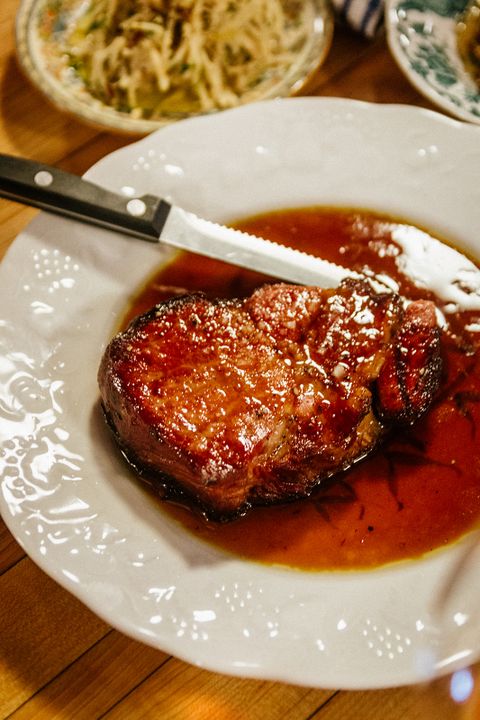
(154, 219)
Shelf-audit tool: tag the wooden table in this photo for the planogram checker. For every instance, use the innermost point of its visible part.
(57, 659)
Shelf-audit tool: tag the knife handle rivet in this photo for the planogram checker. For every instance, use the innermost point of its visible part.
(136, 207)
(43, 178)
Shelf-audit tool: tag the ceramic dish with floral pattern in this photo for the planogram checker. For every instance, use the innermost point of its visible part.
(423, 38)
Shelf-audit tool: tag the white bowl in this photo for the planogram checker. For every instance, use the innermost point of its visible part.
(71, 502)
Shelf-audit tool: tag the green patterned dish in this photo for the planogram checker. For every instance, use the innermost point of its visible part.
(422, 38)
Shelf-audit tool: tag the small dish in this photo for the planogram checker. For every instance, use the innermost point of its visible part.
(43, 26)
(423, 40)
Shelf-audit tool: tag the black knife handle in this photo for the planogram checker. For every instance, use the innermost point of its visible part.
(63, 193)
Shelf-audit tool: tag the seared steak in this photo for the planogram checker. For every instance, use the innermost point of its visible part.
(241, 402)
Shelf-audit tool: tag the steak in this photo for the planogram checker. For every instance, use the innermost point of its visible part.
(257, 400)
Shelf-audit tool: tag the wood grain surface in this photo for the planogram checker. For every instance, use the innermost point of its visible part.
(57, 659)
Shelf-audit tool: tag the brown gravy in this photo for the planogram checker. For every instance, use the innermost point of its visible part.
(421, 489)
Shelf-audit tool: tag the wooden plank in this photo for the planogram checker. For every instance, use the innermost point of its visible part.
(88, 154)
(178, 691)
(40, 130)
(347, 51)
(10, 550)
(8, 9)
(42, 630)
(376, 79)
(95, 682)
(416, 702)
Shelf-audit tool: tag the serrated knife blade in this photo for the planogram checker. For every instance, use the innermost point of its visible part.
(154, 219)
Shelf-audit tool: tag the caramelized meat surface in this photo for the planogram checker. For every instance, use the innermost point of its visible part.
(241, 402)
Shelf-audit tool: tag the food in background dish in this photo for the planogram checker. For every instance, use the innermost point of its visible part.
(255, 401)
(468, 33)
(147, 57)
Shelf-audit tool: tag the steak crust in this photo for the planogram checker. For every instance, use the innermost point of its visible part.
(256, 400)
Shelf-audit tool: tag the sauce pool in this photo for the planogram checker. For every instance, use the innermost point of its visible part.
(421, 489)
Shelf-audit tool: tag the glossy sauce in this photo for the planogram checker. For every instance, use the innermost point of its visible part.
(421, 489)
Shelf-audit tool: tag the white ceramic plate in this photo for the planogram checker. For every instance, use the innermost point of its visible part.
(71, 502)
(42, 57)
(422, 38)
